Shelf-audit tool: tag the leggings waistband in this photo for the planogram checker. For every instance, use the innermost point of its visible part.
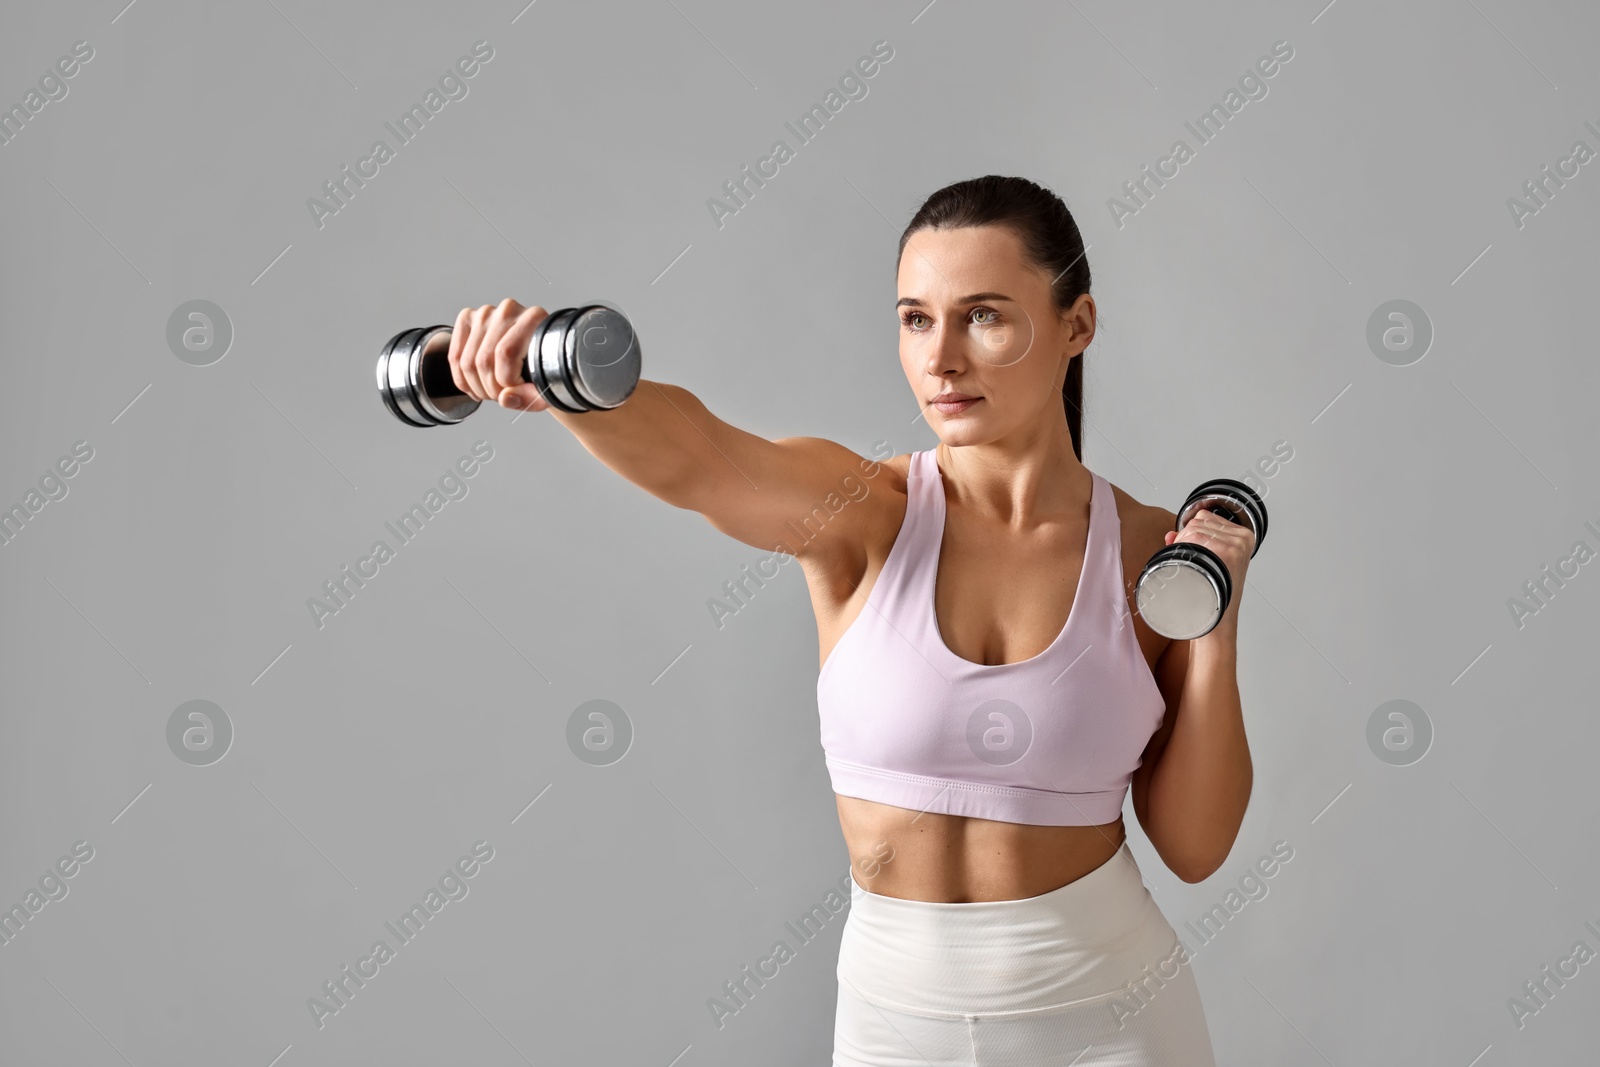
(1086, 940)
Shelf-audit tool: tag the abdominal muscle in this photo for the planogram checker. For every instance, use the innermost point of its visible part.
(957, 859)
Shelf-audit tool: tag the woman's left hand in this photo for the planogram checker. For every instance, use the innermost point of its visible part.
(1233, 544)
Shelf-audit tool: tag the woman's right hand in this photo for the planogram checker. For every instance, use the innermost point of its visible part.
(487, 348)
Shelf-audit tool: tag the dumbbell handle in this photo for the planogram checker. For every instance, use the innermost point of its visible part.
(437, 381)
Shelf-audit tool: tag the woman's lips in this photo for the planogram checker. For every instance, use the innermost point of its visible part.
(955, 407)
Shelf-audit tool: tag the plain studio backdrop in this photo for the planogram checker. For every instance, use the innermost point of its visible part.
(1379, 260)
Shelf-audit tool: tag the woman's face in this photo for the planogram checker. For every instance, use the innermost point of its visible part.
(977, 319)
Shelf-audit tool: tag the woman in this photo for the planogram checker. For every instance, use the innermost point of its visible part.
(988, 694)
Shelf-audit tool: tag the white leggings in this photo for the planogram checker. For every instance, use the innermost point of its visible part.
(1087, 975)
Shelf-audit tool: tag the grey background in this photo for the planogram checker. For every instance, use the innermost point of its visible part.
(369, 754)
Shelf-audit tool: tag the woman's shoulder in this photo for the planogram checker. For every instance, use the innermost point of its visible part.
(1144, 528)
(1130, 509)
(899, 466)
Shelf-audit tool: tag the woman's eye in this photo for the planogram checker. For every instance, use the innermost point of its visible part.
(910, 320)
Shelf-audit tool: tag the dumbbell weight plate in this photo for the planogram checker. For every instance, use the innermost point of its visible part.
(416, 356)
(1233, 500)
(543, 367)
(383, 377)
(429, 382)
(584, 358)
(391, 378)
(603, 359)
(1183, 591)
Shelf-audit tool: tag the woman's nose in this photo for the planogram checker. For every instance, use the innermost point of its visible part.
(947, 351)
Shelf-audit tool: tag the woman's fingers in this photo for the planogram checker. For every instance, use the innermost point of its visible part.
(458, 343)
(477, 325)
(1231, 541)
(524, 397)
(511, 350)
(488, 346)
(483, 356)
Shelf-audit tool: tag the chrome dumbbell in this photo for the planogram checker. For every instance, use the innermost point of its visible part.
(581, 358)
(1185, 588)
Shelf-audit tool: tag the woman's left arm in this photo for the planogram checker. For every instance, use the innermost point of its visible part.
(1191, 790)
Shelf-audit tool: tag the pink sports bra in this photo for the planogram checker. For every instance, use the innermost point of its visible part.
(1051, 740)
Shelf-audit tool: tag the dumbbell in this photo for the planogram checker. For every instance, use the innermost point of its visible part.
(1185, 588)
(581, 358)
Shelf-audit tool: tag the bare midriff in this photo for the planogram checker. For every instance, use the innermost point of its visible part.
(955, 859)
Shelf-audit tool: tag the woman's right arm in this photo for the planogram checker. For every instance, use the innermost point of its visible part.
(773, 495)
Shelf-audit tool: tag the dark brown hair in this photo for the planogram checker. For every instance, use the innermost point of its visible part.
(1050, 240)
